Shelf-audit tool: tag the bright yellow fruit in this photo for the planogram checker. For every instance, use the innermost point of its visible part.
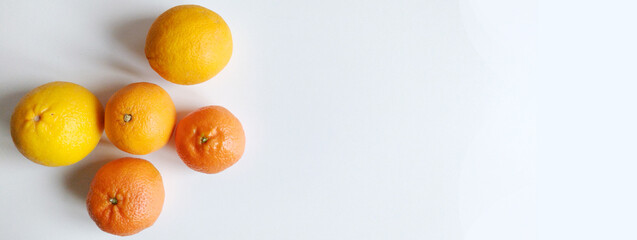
(57, 124)
(188, 44)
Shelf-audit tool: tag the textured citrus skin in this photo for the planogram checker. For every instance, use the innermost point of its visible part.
(210, 139)
(188, 44)
(151, 117)
(57, 124)
(138, 190)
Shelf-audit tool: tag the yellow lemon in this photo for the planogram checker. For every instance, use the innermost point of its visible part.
(188, 44)
(57, 124)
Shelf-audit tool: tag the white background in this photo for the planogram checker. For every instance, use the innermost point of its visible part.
(587, 120)
(364, 119)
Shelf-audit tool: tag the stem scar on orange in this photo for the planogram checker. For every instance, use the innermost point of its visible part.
(139, 118)
(210, 139)
(126, 196)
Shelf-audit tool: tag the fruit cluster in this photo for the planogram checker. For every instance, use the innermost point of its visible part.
(60, 123)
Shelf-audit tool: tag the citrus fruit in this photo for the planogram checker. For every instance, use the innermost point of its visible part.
(139, 118)
(126, 196)
(57, 124)
(210, 139)
(188, 44)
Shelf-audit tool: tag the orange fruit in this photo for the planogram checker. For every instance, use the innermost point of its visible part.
(126, 196)
(188, 44)
(210, 139)
(57, 124)
(139, 118)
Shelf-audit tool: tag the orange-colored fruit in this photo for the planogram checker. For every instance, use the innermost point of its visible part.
(188, 44)
(139, 118)
(210, 139)
(126, 196)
